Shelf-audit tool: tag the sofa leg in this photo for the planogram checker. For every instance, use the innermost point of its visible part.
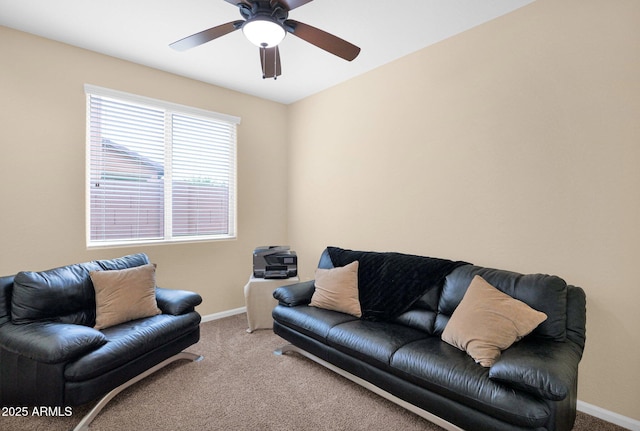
(89, 417)
(287, 348)
(373, 388)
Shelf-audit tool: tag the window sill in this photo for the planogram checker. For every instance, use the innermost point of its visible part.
(138, 243)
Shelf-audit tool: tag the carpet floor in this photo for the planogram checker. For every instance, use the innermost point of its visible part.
(242, 385)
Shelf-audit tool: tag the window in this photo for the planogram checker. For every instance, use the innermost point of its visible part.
(157, 172)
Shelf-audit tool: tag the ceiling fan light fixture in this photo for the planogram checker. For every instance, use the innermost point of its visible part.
(263, 32)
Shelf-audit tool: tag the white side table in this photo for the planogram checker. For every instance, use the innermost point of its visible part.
(258, 296)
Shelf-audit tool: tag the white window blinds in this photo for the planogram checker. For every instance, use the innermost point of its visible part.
(157, 171)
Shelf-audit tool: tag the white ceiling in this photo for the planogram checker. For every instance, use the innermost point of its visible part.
(141, 30)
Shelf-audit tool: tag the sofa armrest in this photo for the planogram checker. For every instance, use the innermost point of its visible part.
(50, 342)
(576, 315)
(295, 294)
(176, 302)
(545, 368)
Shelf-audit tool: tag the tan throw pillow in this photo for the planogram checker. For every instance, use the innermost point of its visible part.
(487, 321)
(123, 295)
(337, 289)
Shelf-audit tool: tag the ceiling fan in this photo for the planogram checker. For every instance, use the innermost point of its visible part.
(265, 24)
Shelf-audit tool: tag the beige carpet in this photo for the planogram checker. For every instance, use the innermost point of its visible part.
(242, 385)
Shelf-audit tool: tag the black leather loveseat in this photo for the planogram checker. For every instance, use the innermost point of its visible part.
(401, 355)
(50, 352)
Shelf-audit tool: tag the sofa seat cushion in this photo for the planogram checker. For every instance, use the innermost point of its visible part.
(131, 340)
(311, 321)
(441, 368)
(372, 342)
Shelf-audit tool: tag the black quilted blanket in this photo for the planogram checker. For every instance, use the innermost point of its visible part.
(389, 283)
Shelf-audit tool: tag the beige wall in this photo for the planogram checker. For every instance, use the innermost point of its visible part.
(514, 145)
(42, 167)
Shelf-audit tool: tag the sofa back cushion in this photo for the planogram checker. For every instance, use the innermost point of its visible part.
(545, 293)
(325, 260)
(124, 262)
(390, 283)
(64, 294)
(6, 287)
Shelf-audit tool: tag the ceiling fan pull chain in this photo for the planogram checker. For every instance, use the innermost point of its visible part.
(275, 64)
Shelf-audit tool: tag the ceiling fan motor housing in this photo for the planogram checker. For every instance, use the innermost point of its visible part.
(264, 9)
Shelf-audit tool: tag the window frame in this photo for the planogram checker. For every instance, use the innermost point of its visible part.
(169, 109)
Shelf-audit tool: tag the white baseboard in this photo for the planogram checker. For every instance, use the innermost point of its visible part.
(609, 416)
(223, 314)
(590, 409)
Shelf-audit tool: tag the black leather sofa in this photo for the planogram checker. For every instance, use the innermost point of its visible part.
(50, 354)
(532, 386)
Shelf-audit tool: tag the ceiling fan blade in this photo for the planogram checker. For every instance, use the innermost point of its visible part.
(206, 36)
(322, 39)
(270, 61)
(290, 4)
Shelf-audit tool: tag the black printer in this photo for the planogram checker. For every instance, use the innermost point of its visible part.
(274, 261)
